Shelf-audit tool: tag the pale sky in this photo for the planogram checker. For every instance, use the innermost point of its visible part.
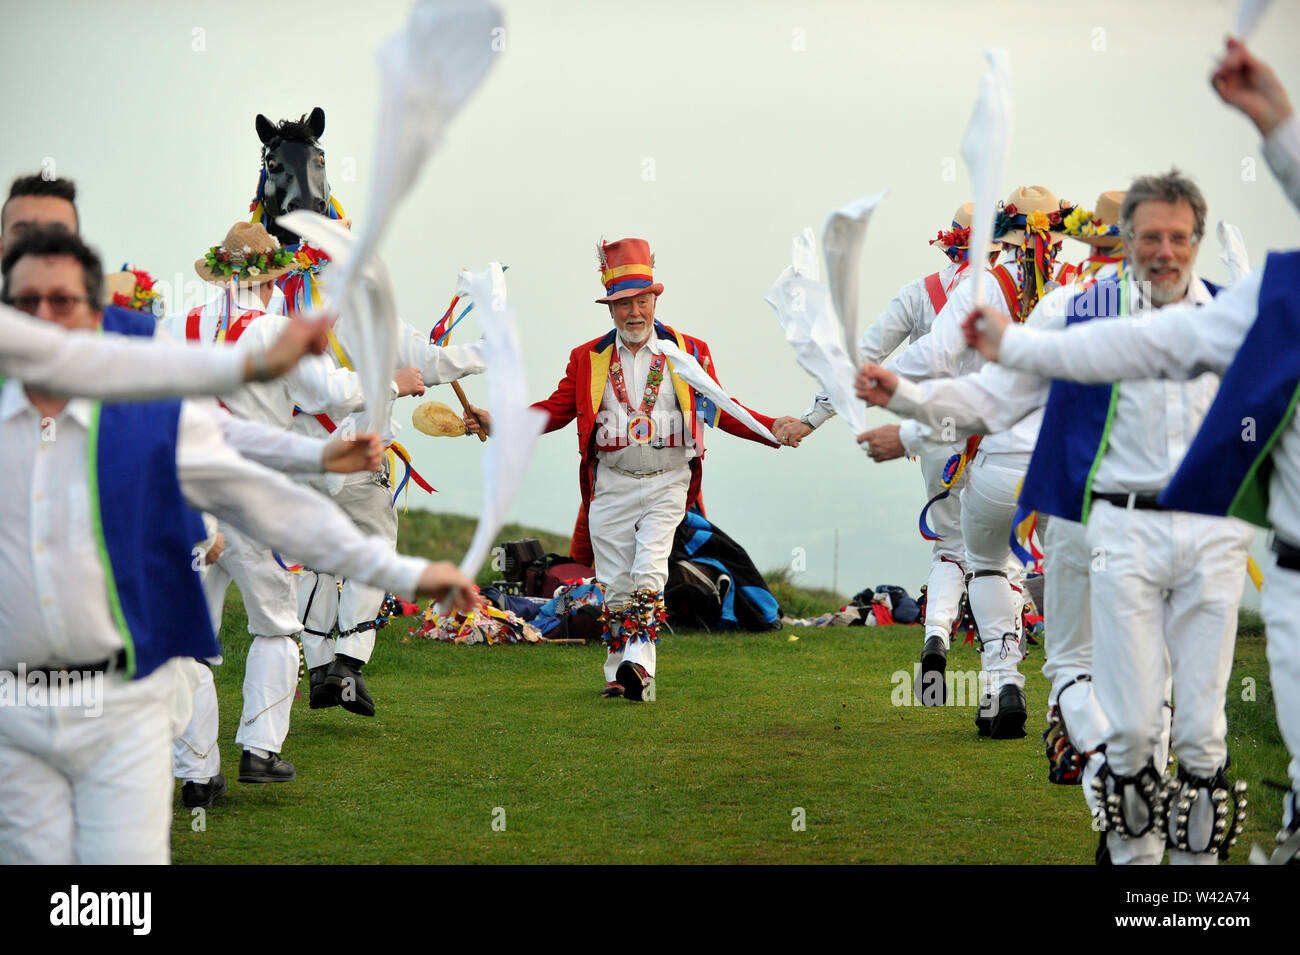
(717, 131)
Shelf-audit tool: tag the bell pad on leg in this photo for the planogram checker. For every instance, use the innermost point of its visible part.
(1205, 813)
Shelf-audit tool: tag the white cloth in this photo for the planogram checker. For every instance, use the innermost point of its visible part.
(907, 317)
(1278, 603)
(109, 366)
(90, 789)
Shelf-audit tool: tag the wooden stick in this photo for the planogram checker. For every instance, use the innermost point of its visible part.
(464, 403)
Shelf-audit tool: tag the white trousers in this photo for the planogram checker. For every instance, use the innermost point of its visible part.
(1280, 603)
(1067, 625)
(632, 522)
(271, 670)
(196, 754)
(77, 788)
(1165, 590)
(988, 510)
(947, 581)
(322, 607)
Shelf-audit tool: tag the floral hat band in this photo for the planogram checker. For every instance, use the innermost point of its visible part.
(249, 255)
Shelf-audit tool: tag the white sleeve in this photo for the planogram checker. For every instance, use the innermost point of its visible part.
(1177, 341)
(986, 402)
(271, 447)
(316, 384)
(287, 517)
(1282, 151)
(438, 365)
(913, 435)
(109, 366)
(893, 326)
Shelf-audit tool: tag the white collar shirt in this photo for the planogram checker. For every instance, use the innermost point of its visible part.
(666, 414)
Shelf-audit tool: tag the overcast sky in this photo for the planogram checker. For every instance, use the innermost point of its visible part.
(715, 130)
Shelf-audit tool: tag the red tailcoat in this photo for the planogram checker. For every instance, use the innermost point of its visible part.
(579, 394)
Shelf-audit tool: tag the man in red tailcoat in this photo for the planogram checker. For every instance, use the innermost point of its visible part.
(641, 437)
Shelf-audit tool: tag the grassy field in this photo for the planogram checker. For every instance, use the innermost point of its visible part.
(508, 755)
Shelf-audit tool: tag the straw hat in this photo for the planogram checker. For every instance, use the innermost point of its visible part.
(626, 269)
(954, 242)
(436, 419)
(1037, 202)
(240, 256)
(1100, 227)
(131, 288)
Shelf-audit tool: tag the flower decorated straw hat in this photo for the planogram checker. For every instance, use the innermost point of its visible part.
(1100, 226)
(1034, 210)
(132, 288)
(626, 269)
(249, 255)
(955, 242)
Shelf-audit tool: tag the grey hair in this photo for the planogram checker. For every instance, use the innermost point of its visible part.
(1170, 187)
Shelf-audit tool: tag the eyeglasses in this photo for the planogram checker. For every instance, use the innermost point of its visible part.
(1180, 241)
(60, 303)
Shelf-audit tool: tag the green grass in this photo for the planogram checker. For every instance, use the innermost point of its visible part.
(747, 729)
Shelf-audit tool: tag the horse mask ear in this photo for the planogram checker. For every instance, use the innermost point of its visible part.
(265, 129)
(316, 122)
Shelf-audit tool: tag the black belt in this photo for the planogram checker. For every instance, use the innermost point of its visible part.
(1141, 502)
(111, 665)
(1288, 555)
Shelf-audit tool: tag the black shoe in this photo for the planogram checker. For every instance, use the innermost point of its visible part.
(633, 678)
(930, 687)
(202, 795)
(323, 695)
(1102, 856)
(1009, 723)
(345, 676)
(271, 769)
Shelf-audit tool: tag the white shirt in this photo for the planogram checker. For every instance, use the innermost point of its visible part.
(52, 582)
(907, 317)
(1178, 341)
(109, 366)
(666, 414)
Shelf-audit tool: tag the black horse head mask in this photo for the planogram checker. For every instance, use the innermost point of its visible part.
(293, 170)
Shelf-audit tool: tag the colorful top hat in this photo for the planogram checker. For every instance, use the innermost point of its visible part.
(1099, 227)
(626, 269)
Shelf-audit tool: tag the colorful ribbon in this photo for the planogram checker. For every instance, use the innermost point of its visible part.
(952, 472)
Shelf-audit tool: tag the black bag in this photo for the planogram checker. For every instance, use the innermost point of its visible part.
(695, 593)
(518, 555)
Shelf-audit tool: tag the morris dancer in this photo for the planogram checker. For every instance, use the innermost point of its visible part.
(906, 319)
(250, 260)
(1031, 223)
(641, 463)
(1165, 599)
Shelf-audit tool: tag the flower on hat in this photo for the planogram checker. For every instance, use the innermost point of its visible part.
(1037, 221)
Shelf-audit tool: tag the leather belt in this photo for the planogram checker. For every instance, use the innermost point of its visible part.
(1141, 502)
(113, 664)
(646, 474)
(1288, 555)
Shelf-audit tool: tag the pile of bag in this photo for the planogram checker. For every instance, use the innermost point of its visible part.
(484, 624)
(882, 606)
